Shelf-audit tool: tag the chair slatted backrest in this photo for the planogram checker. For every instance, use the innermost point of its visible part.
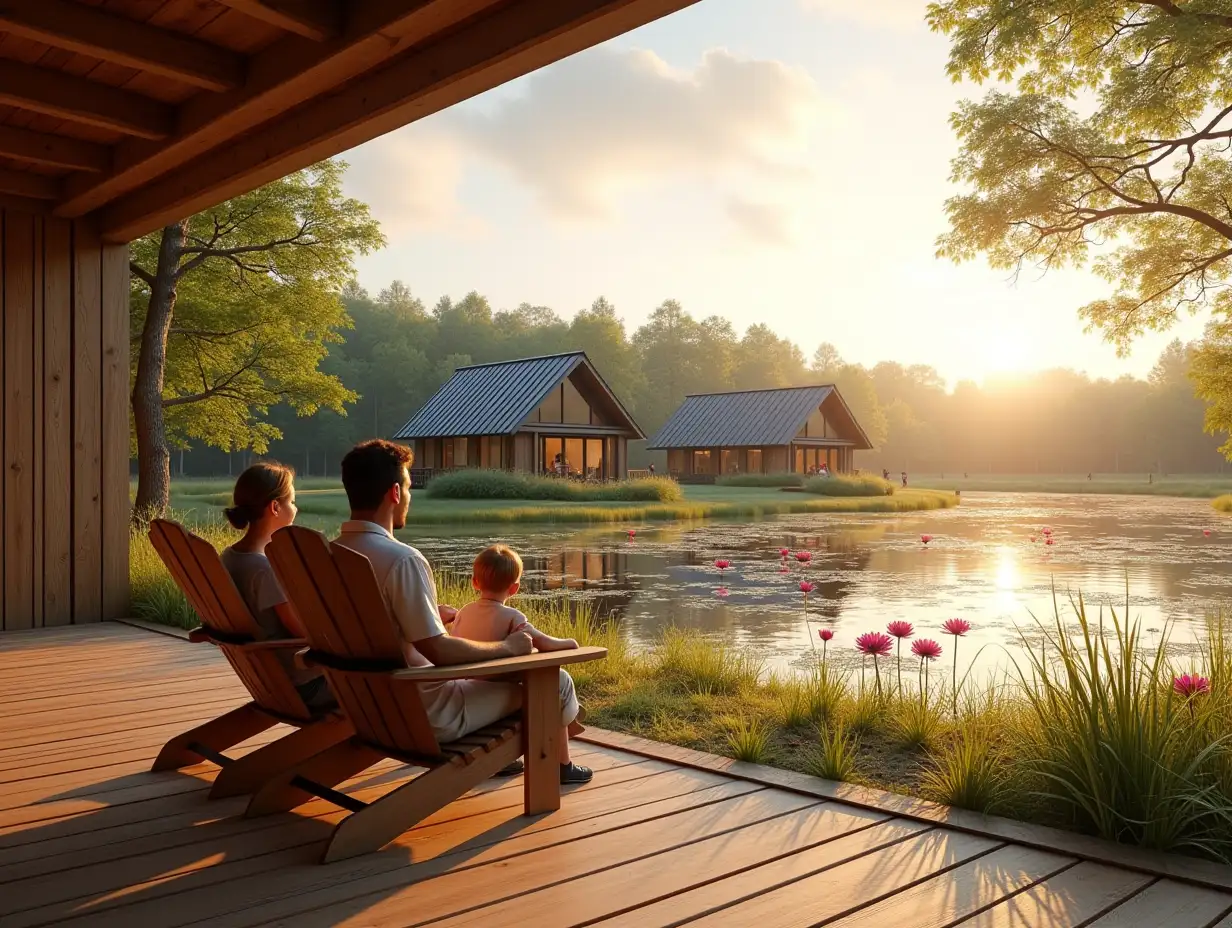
(335, 593)
(197, 570)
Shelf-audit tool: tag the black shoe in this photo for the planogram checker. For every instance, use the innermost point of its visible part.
(511, 770)
(572, 774)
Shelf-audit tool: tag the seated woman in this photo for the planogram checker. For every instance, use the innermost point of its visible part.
(264, 501)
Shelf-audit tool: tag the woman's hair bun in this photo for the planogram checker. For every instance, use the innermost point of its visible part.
(238, 516)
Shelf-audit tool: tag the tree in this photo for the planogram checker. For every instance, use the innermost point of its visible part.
(236, 307)
(1138, 186)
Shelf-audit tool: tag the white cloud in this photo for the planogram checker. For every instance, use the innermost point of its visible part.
(587, 130)
(897, 14)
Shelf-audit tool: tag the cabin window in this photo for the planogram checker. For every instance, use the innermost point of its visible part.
(554, 456)
(729, 461)
(594, 458)
(701, 462)
(575, 456)
(576, 411)
(754, 457)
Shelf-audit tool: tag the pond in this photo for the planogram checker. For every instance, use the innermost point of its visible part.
(987, 563)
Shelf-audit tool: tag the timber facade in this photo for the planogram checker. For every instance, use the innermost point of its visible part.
(789, 430)
(552, 415)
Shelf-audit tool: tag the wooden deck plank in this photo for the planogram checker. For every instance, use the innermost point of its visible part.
(963, 891)
(826, 836)
(1070, 898)
(839, 890)
(89, 837)
(1168, 904)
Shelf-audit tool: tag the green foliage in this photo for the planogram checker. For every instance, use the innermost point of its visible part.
(1114, 746)
(500, 484)
(783, 479)
(1222, 503)
(969, 773)
(834, 755)
(257, 307)
(1146, 166)
(155, 597)
(749, 741)
(917, 723)
(849, 485)
(703, 666)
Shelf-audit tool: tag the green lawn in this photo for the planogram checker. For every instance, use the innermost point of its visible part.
(1203, 486)
(322, 505)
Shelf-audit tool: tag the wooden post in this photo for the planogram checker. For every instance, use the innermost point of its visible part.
(541, 735)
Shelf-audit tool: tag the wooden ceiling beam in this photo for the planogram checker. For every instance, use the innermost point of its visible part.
(55, 150)
(514, 40)
(280, 78)
(313, 19)
(34, 186)
(90, 31)
(55, 93)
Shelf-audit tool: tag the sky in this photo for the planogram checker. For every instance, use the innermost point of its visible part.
(776, 161)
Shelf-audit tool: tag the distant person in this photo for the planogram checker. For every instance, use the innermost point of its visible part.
(904, 478)
(885, 474)
(378, 487)
(1150, 477)
(263, 502)
(650, 468)
(964, 475)
(1088, 475)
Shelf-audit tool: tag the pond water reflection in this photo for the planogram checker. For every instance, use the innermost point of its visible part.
(982, 565)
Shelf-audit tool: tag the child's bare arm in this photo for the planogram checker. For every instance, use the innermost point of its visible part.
(544, 642)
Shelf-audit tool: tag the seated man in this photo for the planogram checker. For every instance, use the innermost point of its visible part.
(378, 487)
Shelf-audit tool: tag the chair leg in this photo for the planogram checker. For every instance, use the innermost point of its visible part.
(252, 771)
(371, 828)
(326, 770)
(541, 731)
(217, 735)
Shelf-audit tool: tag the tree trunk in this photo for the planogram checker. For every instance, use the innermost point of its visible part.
(153, 453)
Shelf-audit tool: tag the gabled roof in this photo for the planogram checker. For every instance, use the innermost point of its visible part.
(754, 418)
(495, 399)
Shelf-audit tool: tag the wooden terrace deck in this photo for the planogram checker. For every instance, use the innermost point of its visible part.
(88, 837)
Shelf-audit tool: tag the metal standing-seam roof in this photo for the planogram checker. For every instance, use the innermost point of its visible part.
(496, 398)
(748, 418)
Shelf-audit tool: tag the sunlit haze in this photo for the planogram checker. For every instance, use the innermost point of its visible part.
(782, 162)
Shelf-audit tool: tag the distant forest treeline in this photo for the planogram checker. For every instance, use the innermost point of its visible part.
(399, 352)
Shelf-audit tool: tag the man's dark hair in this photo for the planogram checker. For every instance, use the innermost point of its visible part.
(370, 469)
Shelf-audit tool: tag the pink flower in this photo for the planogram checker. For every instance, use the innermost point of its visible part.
(875, 643)
(957, 627)
(926, 538)
(1191, 685)
(806, 587)
(1206, 532)
(926, 648)
(783, 552)
(825, 634)
(632, 532)
(900, 629)
(803, 557)
(1046, 530)
(722, 564)
(1048, 540)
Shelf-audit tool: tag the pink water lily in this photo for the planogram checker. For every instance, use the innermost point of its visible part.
(632, 532)
(783, 552)
(1046, 530)
(1048, 540)
(926, 538)
(957, 628)
(900, 629)
(825, 634)
(722, 564)
(1190, 685)
(803, 557)
(1206, 532)
(806, 587)
(877, 645)
(927, 651)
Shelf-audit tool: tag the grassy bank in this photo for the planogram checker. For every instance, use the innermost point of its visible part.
(1092, 736)
(323, 505)
(1204, 486)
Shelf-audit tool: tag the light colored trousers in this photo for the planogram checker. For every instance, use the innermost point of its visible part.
(485, 701)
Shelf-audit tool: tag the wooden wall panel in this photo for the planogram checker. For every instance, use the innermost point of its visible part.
(115, 429)
(19, 420)
(57, 500)
(63, 423)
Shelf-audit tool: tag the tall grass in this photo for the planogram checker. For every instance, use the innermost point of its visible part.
(501, 484)
(849, 485)
(1113, 745)
(705, 667)
(834, 755)
(1222, 503)
(782, 479)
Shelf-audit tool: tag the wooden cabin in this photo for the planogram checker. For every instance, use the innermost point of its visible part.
(552, 415)
(792, 430)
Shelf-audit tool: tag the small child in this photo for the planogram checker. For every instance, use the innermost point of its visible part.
(497, 576)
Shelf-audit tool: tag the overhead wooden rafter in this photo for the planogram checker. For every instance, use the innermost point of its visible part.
(320, 76)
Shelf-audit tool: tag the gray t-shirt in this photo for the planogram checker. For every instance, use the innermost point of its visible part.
(254, 578)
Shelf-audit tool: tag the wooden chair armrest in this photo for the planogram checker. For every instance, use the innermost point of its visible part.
(500, 667)
(277, 644)
(199, 635)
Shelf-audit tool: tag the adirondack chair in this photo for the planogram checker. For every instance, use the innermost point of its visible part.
(228, 624)
(356, 641)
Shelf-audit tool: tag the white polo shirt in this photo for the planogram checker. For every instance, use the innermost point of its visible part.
(405, 579)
